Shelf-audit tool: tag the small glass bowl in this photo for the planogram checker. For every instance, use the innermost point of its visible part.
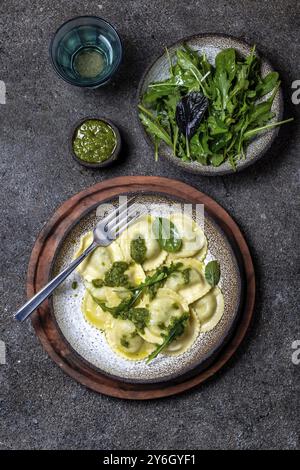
(91, 35)
(110, 160)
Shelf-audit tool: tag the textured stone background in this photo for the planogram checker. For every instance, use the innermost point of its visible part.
(253, 402)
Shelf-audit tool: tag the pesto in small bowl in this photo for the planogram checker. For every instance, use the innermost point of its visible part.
(95, 142)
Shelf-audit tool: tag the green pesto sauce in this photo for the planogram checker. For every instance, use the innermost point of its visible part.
(138, 250)
(140, 317)
(115, 276)
(98, 283)
(94, 141)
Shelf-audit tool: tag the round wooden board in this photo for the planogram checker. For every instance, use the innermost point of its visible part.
(40, 268)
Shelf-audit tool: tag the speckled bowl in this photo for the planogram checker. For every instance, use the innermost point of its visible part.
(90, 344)
(211, 44)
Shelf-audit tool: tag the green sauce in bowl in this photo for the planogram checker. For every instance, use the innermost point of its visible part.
(94, 141)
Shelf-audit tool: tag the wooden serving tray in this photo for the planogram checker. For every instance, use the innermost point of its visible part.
(39, 271)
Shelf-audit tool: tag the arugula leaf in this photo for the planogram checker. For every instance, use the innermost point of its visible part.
(217, 159)
(158, 90)
(220, 142)
(176, 329)
(259, 113)
(119, 310)
(212, 272)
(155, 128)
(216, 125)
(267, 84)
(189, 62)
(249, 134)
(225, 63)
(157, 280)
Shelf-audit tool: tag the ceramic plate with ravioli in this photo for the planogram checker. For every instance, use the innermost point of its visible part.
(147, 308)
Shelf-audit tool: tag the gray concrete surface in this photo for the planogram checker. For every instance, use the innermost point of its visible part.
(254, 402)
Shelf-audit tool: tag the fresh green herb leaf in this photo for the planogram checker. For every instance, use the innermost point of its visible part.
(212, 272)
(252, 132)
(189, 113)
(176, 328)
(158, 279)
(217, 159)
(267, 84)
(155, 128)
(167, 235)
(226, 62)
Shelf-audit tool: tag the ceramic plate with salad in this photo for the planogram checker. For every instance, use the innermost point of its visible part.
(210, 104)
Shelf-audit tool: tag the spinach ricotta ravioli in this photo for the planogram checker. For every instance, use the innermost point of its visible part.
(165, 307)
(106, 295)
(191, 234)
(94, 314)
(189, 281)
(149, 297)
(99, 261)
(124, 339)
(209, 309)
(187, 339)
(154, 256)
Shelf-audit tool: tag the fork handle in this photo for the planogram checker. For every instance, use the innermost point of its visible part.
(35, 301)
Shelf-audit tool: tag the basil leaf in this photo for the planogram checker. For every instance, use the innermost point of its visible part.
(189, 113)
(212, 272)
(167, 235)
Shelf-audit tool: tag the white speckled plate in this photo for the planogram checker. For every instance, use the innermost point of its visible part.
(91, 344)
(211, 44)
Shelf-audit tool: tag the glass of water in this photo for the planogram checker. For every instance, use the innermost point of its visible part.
(86, 51)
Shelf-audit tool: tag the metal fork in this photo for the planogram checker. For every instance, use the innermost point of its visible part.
(105, 232)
